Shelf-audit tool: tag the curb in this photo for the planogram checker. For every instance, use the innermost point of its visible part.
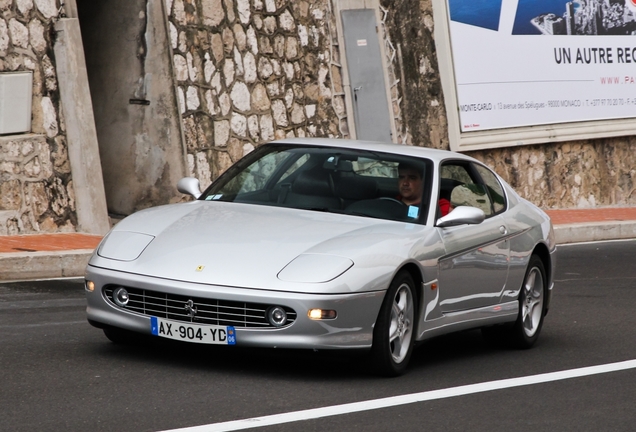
(43, 265)
(594, 231)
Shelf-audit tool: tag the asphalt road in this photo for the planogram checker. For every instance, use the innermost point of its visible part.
(57, 373)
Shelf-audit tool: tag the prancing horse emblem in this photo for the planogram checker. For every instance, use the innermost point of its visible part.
(190, 308)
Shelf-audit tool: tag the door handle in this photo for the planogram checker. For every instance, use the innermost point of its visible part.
(503, 230)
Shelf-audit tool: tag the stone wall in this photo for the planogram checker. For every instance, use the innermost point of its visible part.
(250, 71)
(419, 100)
(36, 189)
(580, 174)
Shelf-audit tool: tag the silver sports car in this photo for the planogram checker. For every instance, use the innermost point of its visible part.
(331, 244)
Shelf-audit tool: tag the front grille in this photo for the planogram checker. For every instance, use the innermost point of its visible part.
(208, 311)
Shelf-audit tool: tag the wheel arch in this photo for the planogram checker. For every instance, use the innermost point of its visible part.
(416, 274)
(541, 250)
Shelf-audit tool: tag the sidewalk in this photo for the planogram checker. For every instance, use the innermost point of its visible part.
(43, 256)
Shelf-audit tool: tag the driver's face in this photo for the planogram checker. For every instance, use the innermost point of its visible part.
(410, 185)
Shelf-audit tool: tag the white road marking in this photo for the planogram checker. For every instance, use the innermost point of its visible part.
(349, 408)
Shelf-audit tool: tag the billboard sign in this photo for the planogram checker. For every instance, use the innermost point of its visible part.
(542, 62)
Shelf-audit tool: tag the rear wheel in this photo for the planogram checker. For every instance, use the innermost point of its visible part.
(393, 335)
(526, 329)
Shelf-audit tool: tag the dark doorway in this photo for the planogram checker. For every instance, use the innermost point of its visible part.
(138, 125)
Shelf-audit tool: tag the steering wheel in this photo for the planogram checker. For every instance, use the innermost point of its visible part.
(393, 200)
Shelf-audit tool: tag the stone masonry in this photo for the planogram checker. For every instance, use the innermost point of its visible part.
(250, 71)
(578, 174)
(36, 189)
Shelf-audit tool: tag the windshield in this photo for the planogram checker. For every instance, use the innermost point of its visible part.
(349, 181)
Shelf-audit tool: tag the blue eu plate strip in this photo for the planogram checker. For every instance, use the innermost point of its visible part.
(231, 335)
(154, 328)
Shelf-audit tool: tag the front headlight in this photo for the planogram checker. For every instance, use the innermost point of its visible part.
(315, 268)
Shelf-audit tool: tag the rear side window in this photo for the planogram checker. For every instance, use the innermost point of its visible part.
(460, 185)
(495, 190)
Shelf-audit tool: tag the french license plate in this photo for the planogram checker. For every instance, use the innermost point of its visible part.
(206, 334)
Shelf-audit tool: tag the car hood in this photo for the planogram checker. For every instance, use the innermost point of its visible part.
(252, 246)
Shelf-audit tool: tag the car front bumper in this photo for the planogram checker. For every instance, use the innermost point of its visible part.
(352, 328)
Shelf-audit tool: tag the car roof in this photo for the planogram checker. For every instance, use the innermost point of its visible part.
(435, 155)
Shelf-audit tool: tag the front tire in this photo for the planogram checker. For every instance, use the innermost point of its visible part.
(393, 335)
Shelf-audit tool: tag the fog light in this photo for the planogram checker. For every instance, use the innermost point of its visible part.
(90, 286)
(120, 296)
(320, 314)
(277, 316)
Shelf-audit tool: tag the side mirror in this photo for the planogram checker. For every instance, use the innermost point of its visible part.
(190, 186)
(462, 215)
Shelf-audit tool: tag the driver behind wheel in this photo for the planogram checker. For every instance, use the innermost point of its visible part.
(410, 186)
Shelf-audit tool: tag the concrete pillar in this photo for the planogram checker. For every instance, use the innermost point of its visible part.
(70, 6)
(83, 150)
